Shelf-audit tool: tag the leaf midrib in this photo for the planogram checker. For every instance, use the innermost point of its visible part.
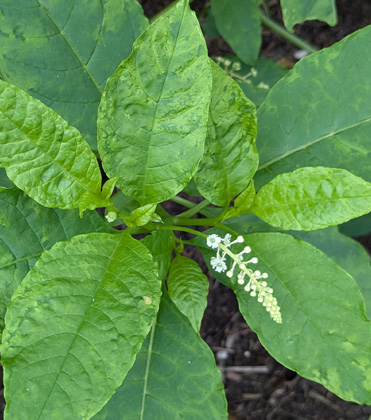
(68, 42)
(311, 143)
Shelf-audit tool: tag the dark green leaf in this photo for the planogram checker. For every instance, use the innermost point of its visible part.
(238, 22)
(26, 230)
(312, 198)
(347, 253)
(174, 376)
(75, 324)
(230, 158)
(325, 335)
(153, 115)
(298, 11)
(160, 244)
(188, 289)
(63, 52)
(320, 113)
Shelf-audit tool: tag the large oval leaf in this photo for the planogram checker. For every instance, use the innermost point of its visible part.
(45, 52)
(312, 198)
(174, 376)
(44, 156)
(238, 22)
(26, 230)
(154, 110)
(325, 335)
(230, 158)
(320, 113)
(75, 324)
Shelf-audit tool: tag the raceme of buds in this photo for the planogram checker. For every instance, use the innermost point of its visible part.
(246, 276)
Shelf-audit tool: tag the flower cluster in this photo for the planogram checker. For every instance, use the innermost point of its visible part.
(251, 279)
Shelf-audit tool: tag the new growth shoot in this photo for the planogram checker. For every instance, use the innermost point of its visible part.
(251, 279)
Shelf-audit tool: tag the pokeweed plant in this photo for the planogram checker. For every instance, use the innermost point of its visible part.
(99, 324)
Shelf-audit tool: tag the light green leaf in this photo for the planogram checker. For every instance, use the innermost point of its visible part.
(141, 216)
(188, 289)
(26, 230)
(44, 156)
(312, 198)
(238, 22)
(320, 113)
(160, 244)
(347, 253)
(243, 202)
(45, 51)
(325, 335)
(230, 158)
(298, 11)
(75, 324)
(174, 376)
(153, 115)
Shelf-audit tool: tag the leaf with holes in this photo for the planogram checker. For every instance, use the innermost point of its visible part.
(75, 324)
(45, 52)
(153, 115)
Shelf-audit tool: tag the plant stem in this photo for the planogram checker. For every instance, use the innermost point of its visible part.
(280, 30)
(182, 229)
(194, 210)
(183, 202)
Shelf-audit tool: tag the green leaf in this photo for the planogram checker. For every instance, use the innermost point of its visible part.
(160, 244)
(347, 253)
(298, 11)
(188, 289)
(26, 230)
(320, 113)
(230, 158)
(45, 51)
(238, 22)
(325, 335)
(75, 324)
(153, 115)
(141, 216)
(44, 156)
(312, 198)
(357, 227)
(174, 376)
(4, 180)
(243, 202)
(255, 81)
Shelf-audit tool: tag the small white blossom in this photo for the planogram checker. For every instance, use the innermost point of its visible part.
(254, 286)
(213, 241)
(218, 264)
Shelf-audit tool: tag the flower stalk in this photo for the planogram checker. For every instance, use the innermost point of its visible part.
(251, 279)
